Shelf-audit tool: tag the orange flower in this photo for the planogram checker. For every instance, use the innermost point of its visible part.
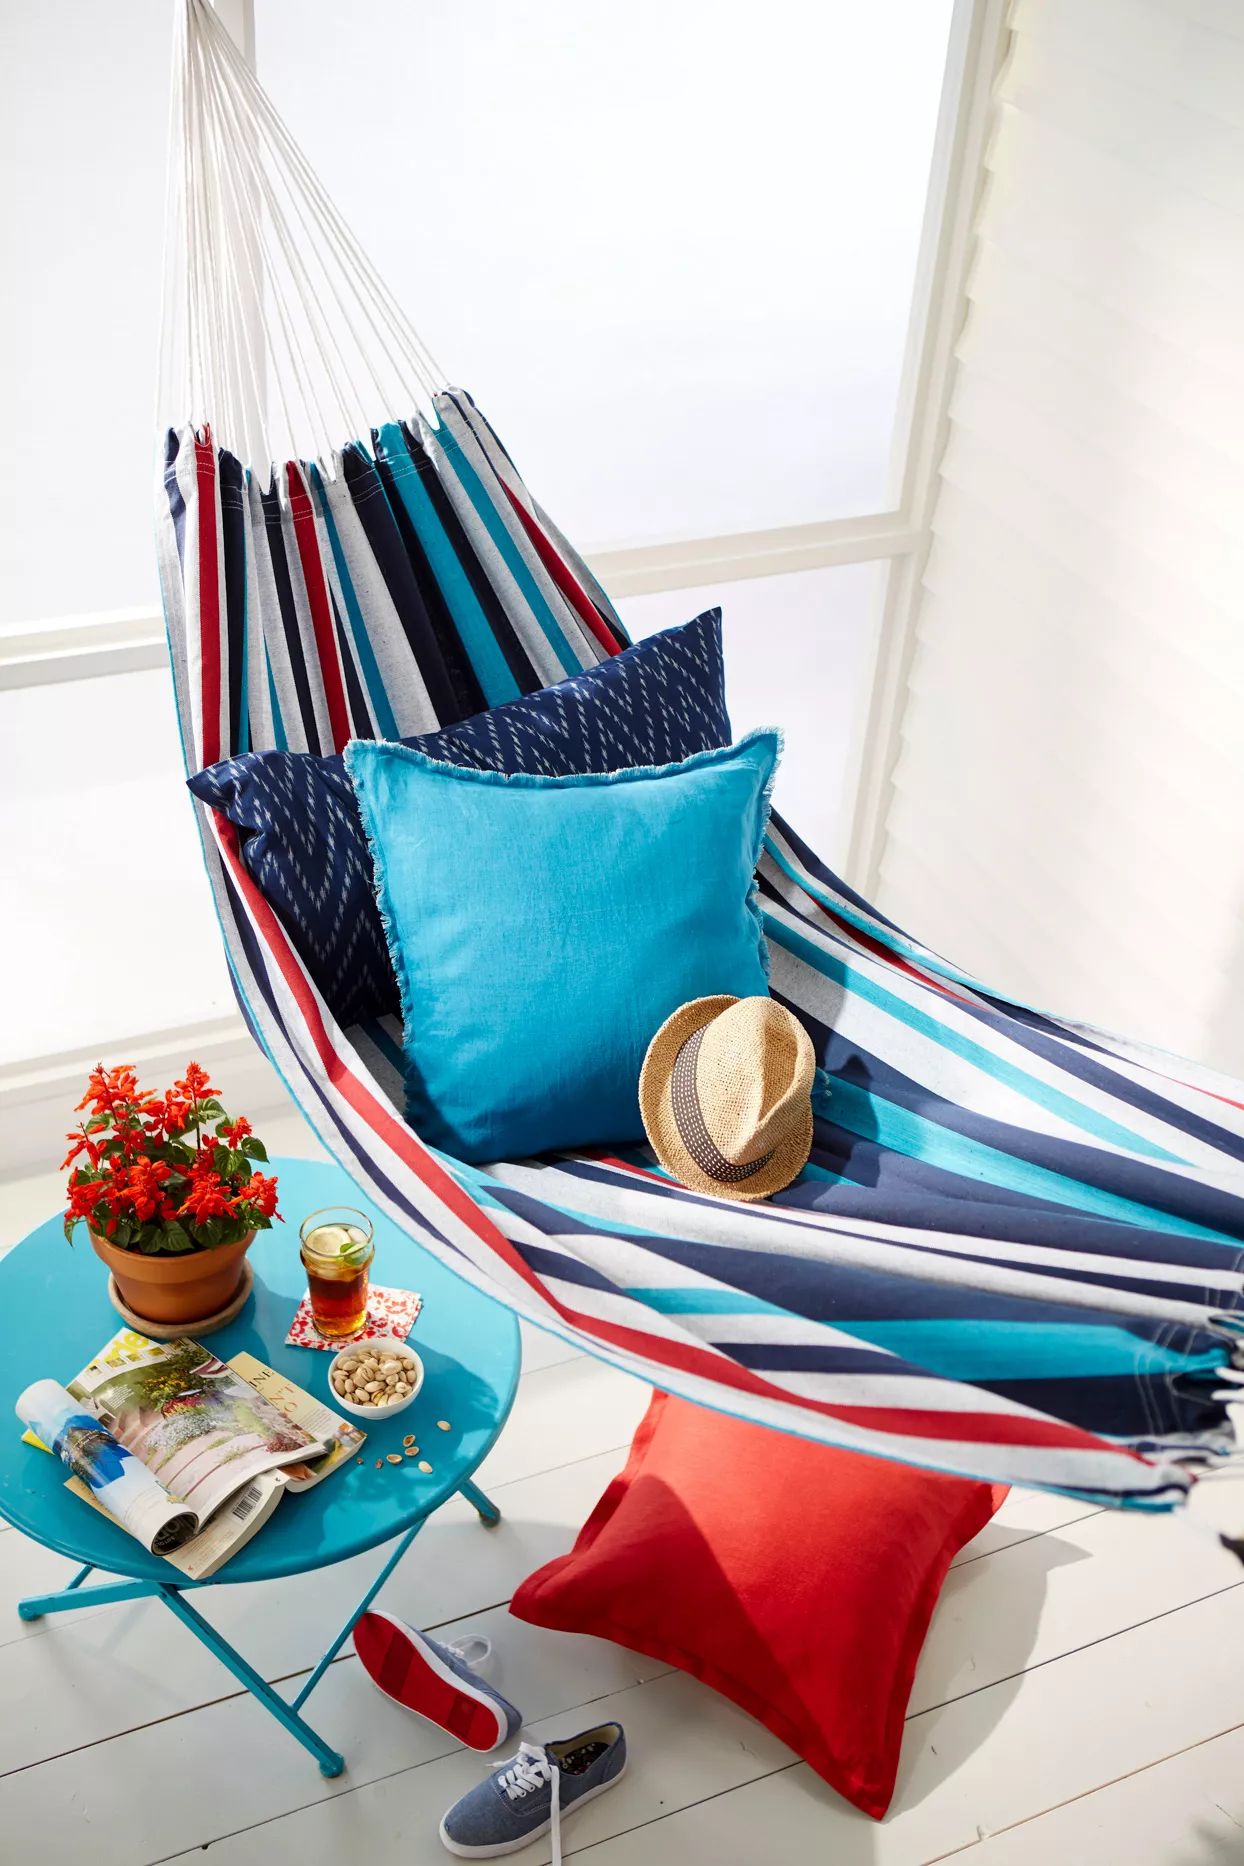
(194, 1085)
(146, 1187)
(259, 1190)
(82, 1143)
(206, 1197)
(111, 1089)
(124, 1157)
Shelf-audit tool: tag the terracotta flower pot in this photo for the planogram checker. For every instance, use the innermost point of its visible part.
(186, 1288)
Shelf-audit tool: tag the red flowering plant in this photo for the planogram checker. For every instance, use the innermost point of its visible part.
(165, 1173)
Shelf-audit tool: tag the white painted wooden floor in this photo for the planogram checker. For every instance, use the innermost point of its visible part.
(1080, 1700)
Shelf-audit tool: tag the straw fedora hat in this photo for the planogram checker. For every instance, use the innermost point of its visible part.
(726, 1096)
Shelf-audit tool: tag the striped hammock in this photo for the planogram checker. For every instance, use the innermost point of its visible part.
(1017, 1251)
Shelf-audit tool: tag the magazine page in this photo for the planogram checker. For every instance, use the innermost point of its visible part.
(199, 1429)
(302, 1409)
(229, 1530)
(103, 1470)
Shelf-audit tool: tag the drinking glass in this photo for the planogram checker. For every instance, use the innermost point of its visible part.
(337, 1250)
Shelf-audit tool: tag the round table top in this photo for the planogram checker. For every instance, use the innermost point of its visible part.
(57, 1317)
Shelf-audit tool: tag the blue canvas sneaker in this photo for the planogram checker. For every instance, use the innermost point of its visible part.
(435, 1681)
(533, 1792)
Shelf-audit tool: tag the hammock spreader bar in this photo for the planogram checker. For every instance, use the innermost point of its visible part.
(1016, 1253)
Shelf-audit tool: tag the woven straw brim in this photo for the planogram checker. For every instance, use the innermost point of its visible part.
(790, 1155)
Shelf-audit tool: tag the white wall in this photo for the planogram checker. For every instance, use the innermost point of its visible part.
(1068, 801)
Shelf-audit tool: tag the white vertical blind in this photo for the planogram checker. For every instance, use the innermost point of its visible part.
(1066, 816)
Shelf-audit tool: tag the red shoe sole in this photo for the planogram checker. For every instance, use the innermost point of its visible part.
(408, 1671)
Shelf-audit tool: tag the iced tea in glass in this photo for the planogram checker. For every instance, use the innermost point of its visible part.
(337, 1250)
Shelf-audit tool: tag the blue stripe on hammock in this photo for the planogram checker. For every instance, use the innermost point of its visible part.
(1042, 1094)
(850, 1066)
(514, 561)
(474, 630)
(1070, 1051)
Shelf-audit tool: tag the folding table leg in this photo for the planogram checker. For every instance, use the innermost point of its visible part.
(75, 1595)
(489, 1514)
(331, 1763)
(358, 1613)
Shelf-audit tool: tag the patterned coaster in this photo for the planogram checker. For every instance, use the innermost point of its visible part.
(389, 1312)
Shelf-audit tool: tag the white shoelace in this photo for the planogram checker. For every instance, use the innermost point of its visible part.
(525, 1772)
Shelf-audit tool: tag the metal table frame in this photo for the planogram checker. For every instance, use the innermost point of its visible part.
(331, 1762)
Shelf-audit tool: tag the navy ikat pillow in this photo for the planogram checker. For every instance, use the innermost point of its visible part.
(303, 841)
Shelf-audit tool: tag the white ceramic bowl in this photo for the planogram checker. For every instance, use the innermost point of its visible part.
(386, 1347)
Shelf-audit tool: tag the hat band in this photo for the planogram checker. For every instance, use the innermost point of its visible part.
(689, 1119)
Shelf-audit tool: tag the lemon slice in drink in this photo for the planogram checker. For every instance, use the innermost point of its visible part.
(346, 1243)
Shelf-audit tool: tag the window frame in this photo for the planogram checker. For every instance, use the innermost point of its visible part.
(130, 640)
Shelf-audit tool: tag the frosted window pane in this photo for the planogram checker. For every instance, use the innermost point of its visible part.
(84, 105)
(793, 648)
(111, 928)
(668, 247)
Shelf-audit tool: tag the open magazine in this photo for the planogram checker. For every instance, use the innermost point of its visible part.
(182, 1449)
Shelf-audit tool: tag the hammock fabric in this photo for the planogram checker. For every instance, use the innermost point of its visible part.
(1016, 1252)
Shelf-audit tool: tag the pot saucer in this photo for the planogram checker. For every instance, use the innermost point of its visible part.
(172, 1331)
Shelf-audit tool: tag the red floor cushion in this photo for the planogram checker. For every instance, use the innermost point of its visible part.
(796, 1580)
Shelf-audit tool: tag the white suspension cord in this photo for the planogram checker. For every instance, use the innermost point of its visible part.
(277, 330)
(314, 230)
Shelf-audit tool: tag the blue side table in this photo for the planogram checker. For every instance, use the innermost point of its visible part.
(55, 1301)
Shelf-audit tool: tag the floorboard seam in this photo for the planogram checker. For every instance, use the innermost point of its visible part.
(702, 1801)
(1057, 1657)
(1017, 1541)
(392, 1775)
(1087, 1795)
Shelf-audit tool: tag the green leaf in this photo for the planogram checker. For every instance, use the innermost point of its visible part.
(254, 1149)
(97, 1121)
(70, 1224)
(175, 1237)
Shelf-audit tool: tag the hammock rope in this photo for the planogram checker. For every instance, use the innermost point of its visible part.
(1018, 1250)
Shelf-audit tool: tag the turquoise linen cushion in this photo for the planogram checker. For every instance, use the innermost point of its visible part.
(543, 928)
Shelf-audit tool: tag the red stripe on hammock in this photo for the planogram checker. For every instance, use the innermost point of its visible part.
(209, 597)
(564, 577)
(321, 608)
(887, 955)
(685, 1357)
(968, 1428)
(378, 1116)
